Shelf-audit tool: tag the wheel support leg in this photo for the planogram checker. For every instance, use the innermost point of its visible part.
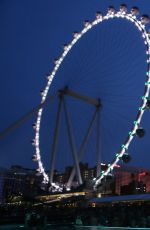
(98, 152)
(83, 146)
(72, 143)
(55, 140)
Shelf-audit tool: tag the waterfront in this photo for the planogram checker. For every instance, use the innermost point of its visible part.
(56, 227)
(126, 214)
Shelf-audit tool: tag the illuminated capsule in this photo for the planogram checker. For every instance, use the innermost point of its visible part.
(99, 15)
(38, 172)
(33, 142)
(34, 158)
(148, 32)
(86, 23)
(148, 60)
(148, 104)
(65, 46)
(126, 158)
(123, 8)
(75, 34)
(140, 132)
(135, 11)
(49, 77)
(145, 19)
(111, 10)
(42, 92)
(34, 126)
(56, 61)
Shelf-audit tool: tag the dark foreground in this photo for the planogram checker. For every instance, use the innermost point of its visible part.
(56, 227)
(116, 216)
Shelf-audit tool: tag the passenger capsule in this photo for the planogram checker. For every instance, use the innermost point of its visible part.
(111, 10)
(34, 125)
(34, 158)
(148, 104)
(75, 34)
(135, 10)
(86, 23)
(140, 132)
(145, 19)
(99, 15)
(126, 158)
(123, 8)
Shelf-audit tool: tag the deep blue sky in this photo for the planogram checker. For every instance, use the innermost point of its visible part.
(108, 63)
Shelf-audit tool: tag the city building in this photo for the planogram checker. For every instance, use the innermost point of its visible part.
(18, 181)
(126, 179)
(2, 178)
(25, 183)
(131, 180)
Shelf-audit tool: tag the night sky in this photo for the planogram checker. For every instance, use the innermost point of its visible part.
(109, 63)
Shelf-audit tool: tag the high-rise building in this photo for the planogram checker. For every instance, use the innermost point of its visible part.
(131, 180)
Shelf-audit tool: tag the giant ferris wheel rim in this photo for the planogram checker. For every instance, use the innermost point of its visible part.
(140, 25)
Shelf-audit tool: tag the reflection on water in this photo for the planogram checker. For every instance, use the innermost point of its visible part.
(56, 227)
(107, 228)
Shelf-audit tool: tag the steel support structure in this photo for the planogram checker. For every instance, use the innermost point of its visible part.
(84, 98)
(55, 140)
(26, 117)
(98, 152)
(72, 142)
(83, 146)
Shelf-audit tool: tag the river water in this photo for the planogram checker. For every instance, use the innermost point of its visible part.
(52, 227)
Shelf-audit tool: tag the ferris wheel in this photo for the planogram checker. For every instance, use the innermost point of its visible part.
(144, 103)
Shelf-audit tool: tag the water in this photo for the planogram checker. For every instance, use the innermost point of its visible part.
(52, 227)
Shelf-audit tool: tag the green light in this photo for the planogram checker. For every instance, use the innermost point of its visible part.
(123, 147)
(141, 108)
(131, 134)
(136, 122)
(148, 72)
(118, 155)
(147, 83)
(143, 97)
